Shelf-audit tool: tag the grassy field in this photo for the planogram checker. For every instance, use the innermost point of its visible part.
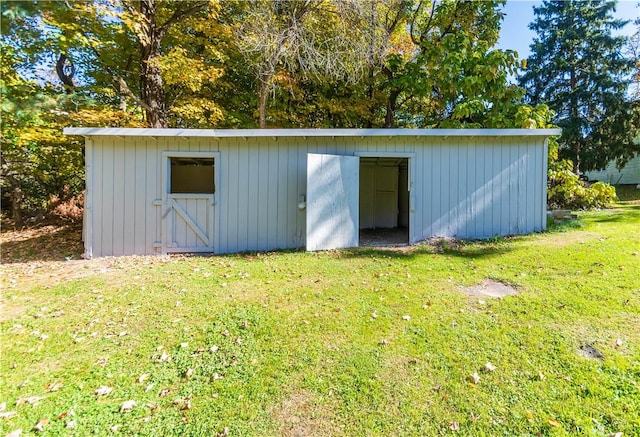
(356, 342)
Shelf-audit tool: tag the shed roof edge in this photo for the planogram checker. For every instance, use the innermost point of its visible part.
(247, 133)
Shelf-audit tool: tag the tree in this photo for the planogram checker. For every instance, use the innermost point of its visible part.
(308, 39)
(634, 54)
(134, 47)
(578, 68)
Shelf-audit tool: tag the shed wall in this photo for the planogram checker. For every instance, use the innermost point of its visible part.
(629, 174)
(464, 187)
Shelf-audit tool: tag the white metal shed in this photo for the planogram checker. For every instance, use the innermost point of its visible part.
(205, 190)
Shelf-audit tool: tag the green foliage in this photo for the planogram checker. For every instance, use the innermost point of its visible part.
(579, 69)
(567, 191)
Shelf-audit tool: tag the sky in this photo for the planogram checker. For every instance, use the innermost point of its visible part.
(515, 33)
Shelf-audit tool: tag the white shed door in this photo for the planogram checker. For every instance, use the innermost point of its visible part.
(332, 201)
(189, 204)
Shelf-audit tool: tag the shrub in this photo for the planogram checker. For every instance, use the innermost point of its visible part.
(566, 191)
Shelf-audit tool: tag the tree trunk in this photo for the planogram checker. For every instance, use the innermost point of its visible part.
(16, 206)
(150, 77)
(262, 102)
(65, 71)
(390, 116)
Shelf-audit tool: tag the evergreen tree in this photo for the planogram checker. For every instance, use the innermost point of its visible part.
(578, 68)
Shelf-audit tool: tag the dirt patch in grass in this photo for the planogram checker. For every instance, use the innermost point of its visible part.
(589, 351)
(492, 288)
(301, 415)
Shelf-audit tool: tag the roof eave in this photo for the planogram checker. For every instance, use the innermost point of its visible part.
(259, 133)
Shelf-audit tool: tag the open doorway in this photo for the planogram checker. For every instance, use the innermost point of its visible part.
(384, 201)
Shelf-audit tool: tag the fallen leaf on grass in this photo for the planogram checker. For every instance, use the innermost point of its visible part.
(16, 433)
(616, 434)
(474, 418)
(71, 424)
(142, 378)
(8, 414)
(163, 358)
(53, 386)
(213, 348)
(103, 391)
(65, 414)
(185, 404)
(31, 400)
(474, 378)
(374, 315)
(406, 317)
(489, 367)
(554, 423)
(164, 392)
(188, 373)
(529, 415)
(454, 426)
(41, 424)
(541, 376)
(127, 406)
(114, 428)
(619, 342)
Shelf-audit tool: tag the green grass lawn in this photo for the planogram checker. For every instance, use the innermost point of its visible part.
(356, 342)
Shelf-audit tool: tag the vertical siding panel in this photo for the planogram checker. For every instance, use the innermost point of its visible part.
(233, 196)
(514, 191)
(118, 196)
(283, 165)
(292, 192)
(129, 196)
(506, 180)
(486, 168)
(539, 180)
(425, 189)
(107, 196)
(437, 189)
(243, 196)
(154, 191)
(463, 191)
(500, 187)
(523, 197)
(98, 196)
(472, 168)
(274, 180)
(254, 213)
(301, 222)
(450, 184)
(264, 216)
(223, 192)
(142, 200)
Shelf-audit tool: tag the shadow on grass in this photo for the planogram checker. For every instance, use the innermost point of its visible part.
(467, 249)
(620, 214)
(48, 242)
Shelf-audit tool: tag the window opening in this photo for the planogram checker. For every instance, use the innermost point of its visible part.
(192, 175)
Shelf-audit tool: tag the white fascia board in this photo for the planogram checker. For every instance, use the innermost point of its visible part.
(249, 133)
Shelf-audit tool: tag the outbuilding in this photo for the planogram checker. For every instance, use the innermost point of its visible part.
(221, 191)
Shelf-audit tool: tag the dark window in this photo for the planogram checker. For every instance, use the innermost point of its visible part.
(192, 175)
